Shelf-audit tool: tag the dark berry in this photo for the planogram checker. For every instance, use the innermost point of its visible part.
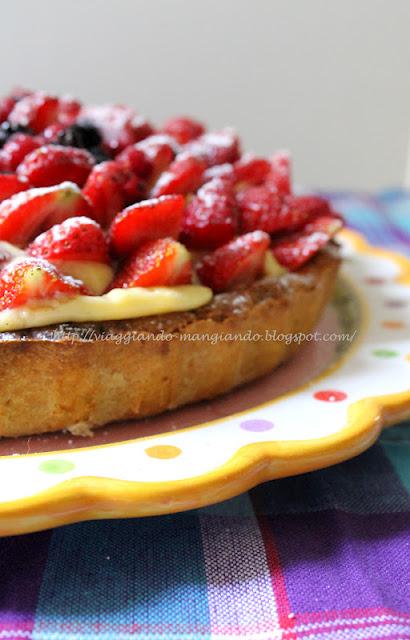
(99, 154)
(84, 136)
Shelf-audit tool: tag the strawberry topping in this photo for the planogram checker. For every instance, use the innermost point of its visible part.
(236, 264)
(52, 164)
(109, 188)
(211, 217)
(28, 280)
(183, 129)
(156, 263)
(78, 238)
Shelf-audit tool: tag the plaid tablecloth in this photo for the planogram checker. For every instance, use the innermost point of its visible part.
(323, 556)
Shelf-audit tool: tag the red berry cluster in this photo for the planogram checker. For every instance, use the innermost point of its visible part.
(162, 205)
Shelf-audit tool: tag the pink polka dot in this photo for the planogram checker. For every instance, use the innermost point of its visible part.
(394, 303)
(256, 425)
(330, 395)
(375, 280)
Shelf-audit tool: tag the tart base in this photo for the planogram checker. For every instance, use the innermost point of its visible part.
(81, 376)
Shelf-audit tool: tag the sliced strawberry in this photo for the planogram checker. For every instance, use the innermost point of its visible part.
(146, 220)
(135, 160)
(294, 250)
(31, 280)
(211, 217)
(156, 263)
(225, 171)
(183, 129)
(17, 147)
(11, 184)
(26, 213)
(280, 178)
(251, 169)
(236, 264)
(109, 188)
(119, 125)
(184, 175)
(77, 238)
(216, 147)
(6, 106)
(52, 164)
(68, 110)
(260, 208)
(36, 111)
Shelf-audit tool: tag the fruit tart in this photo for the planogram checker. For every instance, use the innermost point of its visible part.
(141, 267)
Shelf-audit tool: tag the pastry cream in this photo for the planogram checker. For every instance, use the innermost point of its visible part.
(117, 304)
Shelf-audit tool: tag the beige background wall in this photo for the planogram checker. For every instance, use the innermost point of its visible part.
(328, 78)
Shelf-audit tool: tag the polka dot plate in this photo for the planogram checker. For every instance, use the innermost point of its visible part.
(350, 378)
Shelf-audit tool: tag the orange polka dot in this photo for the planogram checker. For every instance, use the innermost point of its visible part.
(392, 324)
(163, 451)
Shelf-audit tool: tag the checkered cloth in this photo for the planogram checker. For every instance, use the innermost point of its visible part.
(323, 556)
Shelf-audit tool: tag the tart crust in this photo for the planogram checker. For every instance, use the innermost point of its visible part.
(80, 376)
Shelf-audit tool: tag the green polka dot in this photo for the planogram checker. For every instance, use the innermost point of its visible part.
(56, 466)
(385, 353)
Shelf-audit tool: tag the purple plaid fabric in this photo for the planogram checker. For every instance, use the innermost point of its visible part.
(323, 556)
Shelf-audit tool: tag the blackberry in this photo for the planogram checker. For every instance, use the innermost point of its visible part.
(7, 129)
(82, 135)
(99, 154)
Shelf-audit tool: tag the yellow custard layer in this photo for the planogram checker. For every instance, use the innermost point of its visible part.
(117, 304)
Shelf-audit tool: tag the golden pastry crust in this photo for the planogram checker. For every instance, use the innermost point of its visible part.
(81, 376)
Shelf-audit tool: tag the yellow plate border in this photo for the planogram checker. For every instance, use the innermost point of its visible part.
(87, 498)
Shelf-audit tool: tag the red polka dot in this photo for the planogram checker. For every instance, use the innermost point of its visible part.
(330, 395)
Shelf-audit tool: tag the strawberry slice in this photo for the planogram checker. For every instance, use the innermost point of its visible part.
(6, 106)
(293, 251)
(17, 147)
(78, 248)
(68, 110)
(184, 175)
(109, 188)
(251, 169)
(52, 164)
(183, 129)
(280, 177)
(236, 264)
(31, 280)
(157, 263)
(77, 238)
(260, 208)
(147, 220)
(216, 147)
(36, 111)
(11, 184)
(225, 171)
(26, 213)
(211, 218)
